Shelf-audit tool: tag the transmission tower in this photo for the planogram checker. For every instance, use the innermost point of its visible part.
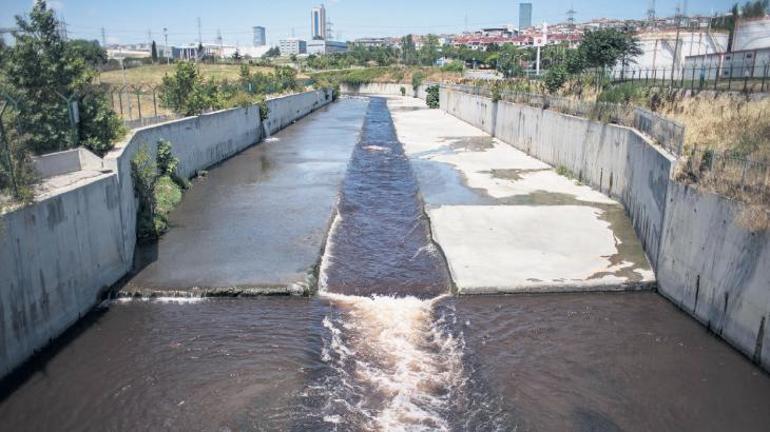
(651, 13)
(571, 18)
(329, 30)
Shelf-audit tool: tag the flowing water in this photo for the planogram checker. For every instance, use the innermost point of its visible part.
(393, 364)
(384, 346)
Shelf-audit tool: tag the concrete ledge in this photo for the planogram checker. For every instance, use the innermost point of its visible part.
(575, 287)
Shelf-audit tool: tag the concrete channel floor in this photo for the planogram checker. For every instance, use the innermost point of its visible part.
(508, 222)
(257, 222)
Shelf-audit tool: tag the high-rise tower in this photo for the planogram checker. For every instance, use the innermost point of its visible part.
(318, 22)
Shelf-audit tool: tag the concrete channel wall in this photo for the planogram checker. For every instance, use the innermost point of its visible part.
(60, 254)
(704, 260)
(383, 89)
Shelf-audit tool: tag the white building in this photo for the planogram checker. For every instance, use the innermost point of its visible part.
(320, 47)
(246, 52)
(293, 46)
(661, 50)
(754, 63)
(752, 34)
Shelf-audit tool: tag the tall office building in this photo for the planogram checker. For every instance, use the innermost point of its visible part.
(259, 36)
(318, 23)
(525, 15)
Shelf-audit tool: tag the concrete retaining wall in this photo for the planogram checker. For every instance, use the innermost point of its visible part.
(704, 260)
(476, 110)
(613, 159)
(56, 257)
(384, 89)
(59, 255)
(716, 270)
(287, 109)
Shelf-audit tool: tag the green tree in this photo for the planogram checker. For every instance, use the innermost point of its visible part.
(185, 92)
(555, 78)
(408, 50)
(605, 47)
(90, 51)
(429, 52)
(154, 52)
(272, 52)
(53, 80)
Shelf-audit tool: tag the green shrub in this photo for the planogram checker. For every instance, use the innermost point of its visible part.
(403, 91)
(417, 79)
(432, 97)
(622, 93)
(555, 78)
(157, 189)
(455, 66)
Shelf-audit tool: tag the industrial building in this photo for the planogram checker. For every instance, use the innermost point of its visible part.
(320, 47)
(292, 46)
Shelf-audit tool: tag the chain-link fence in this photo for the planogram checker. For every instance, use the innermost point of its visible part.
(139, 105)
(727, 174)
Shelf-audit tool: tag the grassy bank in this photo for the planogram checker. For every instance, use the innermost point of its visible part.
(153, 74)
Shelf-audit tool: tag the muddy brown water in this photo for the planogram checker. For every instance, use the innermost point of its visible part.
(383, 349)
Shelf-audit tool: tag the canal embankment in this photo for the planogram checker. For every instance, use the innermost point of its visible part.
(61, 253)
(705, 260)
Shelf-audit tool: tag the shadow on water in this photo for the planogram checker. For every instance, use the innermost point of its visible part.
(39, 361)
(380, 241)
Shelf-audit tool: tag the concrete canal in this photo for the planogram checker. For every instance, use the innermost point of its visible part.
(393, 220)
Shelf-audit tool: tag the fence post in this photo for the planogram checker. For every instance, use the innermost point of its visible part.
(139, 103)
(764, 76)
(692, 80)
(681, 80)
(730, 78)
(745, 79)
(154, 103)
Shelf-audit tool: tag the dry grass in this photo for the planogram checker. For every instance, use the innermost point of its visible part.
(724, 124)
(153, 74)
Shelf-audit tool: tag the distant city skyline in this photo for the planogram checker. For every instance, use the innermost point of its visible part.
(142, 20)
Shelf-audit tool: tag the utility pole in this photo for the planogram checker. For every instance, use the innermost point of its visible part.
(200, 34)
(166, 49)
(674, 59)
(104, 38)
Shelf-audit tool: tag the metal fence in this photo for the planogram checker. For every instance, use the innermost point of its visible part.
(750, 78)
(139, 105)
(729, 175)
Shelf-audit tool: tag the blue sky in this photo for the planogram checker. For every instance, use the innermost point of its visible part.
(128, 21)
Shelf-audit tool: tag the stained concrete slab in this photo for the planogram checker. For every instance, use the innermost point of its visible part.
(256, 223)
(508, 222)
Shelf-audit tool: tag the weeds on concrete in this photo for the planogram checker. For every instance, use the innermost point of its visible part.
(157, 188)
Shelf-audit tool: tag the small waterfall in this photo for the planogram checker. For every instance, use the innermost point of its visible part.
(394, 365)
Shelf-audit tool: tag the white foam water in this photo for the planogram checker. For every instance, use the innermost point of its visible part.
(395, 368)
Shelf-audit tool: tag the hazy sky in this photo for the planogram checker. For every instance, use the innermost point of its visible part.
(128, 21)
